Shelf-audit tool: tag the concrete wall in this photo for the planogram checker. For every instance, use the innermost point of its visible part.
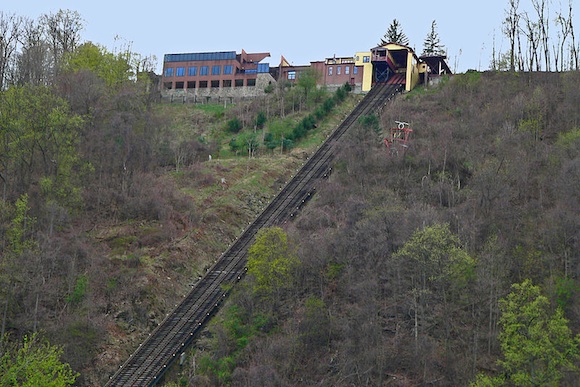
(203, 95)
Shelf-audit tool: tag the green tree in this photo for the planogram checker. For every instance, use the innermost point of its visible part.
(537, 345)
(435, 271)
(432, 43)
(113, 69)
(271, 263)
(35, 363)
(394, 34)
(38, 142)
(307, 81)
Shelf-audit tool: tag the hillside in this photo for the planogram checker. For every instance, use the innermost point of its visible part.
(405, 261)
(112, 206)
(398, 270)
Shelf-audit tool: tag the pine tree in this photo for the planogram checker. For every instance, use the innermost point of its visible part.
(394, 34)
(432, 44)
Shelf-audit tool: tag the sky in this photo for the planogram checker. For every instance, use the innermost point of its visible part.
(302, 31)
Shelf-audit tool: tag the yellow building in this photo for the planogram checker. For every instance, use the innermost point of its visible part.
(396, 63)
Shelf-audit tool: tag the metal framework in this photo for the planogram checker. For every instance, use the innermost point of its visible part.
(399, 139)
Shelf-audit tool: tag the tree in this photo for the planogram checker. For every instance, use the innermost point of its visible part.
(511, 28)
(63, 32)
(10, 30)
(112, 69)
(435, 269)
(307, 81)
(271, 263)
(537, 344)
(394, 34)
(36, 363)
(432, 44)
(33, 62)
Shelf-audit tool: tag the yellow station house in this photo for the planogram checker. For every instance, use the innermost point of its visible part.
(396, 63)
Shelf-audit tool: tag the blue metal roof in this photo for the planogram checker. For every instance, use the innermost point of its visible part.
(200, 56)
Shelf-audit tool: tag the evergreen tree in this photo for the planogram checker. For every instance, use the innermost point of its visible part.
(394, 34)
(432, 44)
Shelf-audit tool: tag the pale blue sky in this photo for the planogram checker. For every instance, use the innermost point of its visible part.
(302, 31)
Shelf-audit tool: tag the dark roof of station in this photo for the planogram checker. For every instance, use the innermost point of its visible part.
(434, 61)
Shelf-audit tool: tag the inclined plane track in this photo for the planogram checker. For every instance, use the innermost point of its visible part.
(152, 358)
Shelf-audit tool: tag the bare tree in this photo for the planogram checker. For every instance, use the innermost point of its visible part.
(33, 61)
(532, 33)
(511, 28)
(543, 30)
(574, 64)
(10, 29)
(63, 34)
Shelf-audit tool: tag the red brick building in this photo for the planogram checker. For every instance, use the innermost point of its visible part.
(223, 73)
(334, 72)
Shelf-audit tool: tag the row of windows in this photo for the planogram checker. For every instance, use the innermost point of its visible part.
(339, 70)
(293, 74)
(192, 71)
(208, 84)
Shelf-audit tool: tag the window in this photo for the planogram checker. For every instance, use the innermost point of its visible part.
(366, 59)
(338, 69)
(355, 70)
(215, 84)
(203, 70)
(167, 85)
(169, 72)
(330, 71)
(291, 75)
(216, 70)
(251, 82)
(203, 84)
(178, 85)
(228, 69)
(239, 82)
(227, 83)
(192, 71)
(191, 84)
(347, 70)
(180, 71)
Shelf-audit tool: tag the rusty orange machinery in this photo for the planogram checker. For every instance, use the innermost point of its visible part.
(399, 138)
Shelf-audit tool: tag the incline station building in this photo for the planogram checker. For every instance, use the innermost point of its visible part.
(205, 76)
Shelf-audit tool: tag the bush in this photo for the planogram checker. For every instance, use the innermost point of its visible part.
(234, 125)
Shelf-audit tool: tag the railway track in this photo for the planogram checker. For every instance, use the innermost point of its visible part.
(166, 343)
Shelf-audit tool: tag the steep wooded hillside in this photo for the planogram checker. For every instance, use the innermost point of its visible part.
(414, 268)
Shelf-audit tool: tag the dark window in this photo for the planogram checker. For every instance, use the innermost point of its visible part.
(191, 84)
(228, 69)
(180, 71)
(192, 71)
(179, 85)
(204, 70)
(251, 82)
(215, 84)
(216, 70)
(227, 83)
(203, 84)
(169, 72)
(167, 85)
(239, 82)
